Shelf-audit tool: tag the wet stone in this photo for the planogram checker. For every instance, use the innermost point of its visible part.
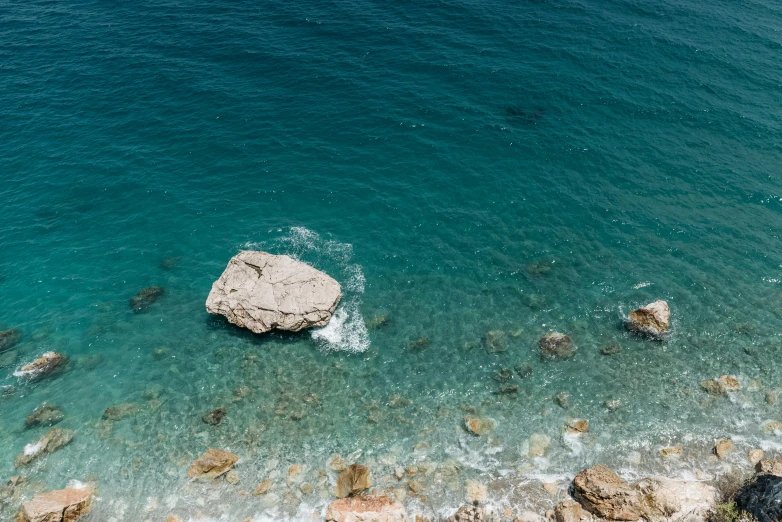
(479, 425)
(44, 415)
(556, 346)
(353, 481)
(263, 487)
(54, 439)
(146, 298)
(214, 417)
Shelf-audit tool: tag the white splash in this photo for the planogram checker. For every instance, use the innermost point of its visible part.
(345, 332)
(33, 448)
(642, 285)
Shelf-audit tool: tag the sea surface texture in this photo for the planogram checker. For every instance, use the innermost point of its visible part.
(475, 174)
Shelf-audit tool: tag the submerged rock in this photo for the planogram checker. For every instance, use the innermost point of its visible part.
(417, 345)
(369, 508)
(8, 358)
(604, 494)
(470, 513)
(495, 342)
(671, 452)
(479, 425)
(44, 415)
(665, 499)
(146, 298)
(214, 417)
(353, 481)
(762, 498)
(577, 426)
(652, 320)
(63, 505)
(55, 439)
(377, 322)
(556, 346)
(9, 339)
(612, 348)
(212, 464)
(262, 292)
(120, 411)
(47, 364)
(538, 444)
(524, 370)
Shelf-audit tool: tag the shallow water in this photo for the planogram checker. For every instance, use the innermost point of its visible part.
(459, 168)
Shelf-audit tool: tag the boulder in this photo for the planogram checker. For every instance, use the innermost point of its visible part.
(212, 464)
(62, 505)
(538, 445)
(470, 513)
(495, 342)
(653, 319)
(671, 452)
(44, 415)
(353, 481)
(9, 339)
(568, 511)
(769, 467)
(601, 492)
(686, 501)
(214, 417)
(54, 439)
(722, 448)
(729, 383)
(556, 346)
(47, 364)
(762, 498)
(367, 508)
(577, 426)
(479, 425)
(755, 456)
(262, 292)
(145, 298)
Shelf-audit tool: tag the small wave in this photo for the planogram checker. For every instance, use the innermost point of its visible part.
(642, 285)
(345, 332)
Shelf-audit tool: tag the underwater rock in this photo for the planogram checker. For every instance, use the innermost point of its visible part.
(353, 481)
(577, 426)
(772, 397)
(377, 322)
(503, 375)
(729, 383)
(762, 498)
(652, 320)
(479, 425)
(495, 342)
(337, 463)
(214, 417)
(47, 364)
(232, 477)
(63, 505)
(567, 511)
(212, 464)
(146, 298)
(44, 415)
(563, 400)
(612, 348)
(417, 345)
(397, 401)
(524, 370)
(55, 439)
(712, 387)
(722, 448)
(120, 411)
(263, 487)
(665, 499)
(604, 494)
(671, 452)
(556, 346)
(507, 390)
(769, 467)
(540, 268)
(369, 508)
(470, 513)
(262, 292)
(169, 263)
(538, 445)
(9, 339)
(612, 404)
(8, 358)
(755, 456)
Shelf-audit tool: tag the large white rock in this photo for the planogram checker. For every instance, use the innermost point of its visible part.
(263, 292)
(682, 500)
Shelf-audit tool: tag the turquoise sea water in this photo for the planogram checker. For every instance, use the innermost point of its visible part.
(460, 168)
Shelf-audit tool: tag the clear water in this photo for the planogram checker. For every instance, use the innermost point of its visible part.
(460, 168)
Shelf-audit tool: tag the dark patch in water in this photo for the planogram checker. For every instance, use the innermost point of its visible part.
(525, 115)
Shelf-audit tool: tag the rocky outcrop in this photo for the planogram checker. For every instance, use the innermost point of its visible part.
(47, 364)
(146, 298)
(9, 339)
(722, 448)
(62, 505)
(367, 508)
(762, 498)
(479, 425)
(665, 499)
(601, 492)
(653, 319)
(353, 481)
(568, 511)
(556, 345)
(212, 464)
(262, 292)
(470, 513)
(769, 467)
(55, 439)
(44, 415)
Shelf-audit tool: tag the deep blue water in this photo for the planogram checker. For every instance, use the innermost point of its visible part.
(459, 167)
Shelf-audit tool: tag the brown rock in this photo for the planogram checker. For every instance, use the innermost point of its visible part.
(713, 387)
(263, 487)
(755, 456)
(671, 452)
(665, 500)
(63, 505)
(722, 448)
(603, 493)
(577, 426)
(367, 508)
(214, 417)
(568, 511)
(212, 464)
(47, 364)
(54, 439)
(652, 319)
(556, 346)
(769, 467)
(9, 339)
(145, 298)
(479, 425)
(772, 397)
(353, 481)
(471, 513)
(44, 415)
(729, 383)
